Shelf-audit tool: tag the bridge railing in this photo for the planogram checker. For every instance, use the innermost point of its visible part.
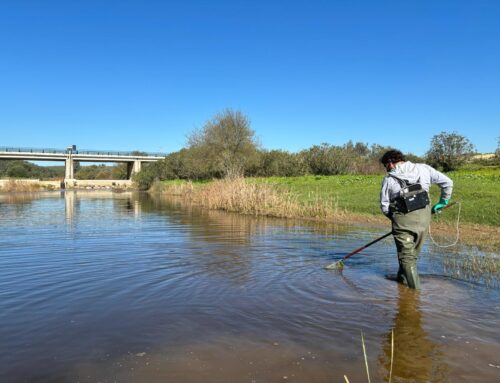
(83, 151)
(134, 153)
(31, 150)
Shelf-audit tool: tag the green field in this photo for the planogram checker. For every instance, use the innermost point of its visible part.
(478, 191)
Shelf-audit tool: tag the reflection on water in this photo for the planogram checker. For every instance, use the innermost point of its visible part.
(101, 286)
(72, 199)
(417, 358)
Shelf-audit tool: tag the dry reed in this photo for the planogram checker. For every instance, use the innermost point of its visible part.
(392, 355)
(19, 186)
(238, 195)
(184, 189)
(365, 357)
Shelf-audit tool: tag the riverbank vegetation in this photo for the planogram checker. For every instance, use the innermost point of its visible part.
(24, 169)
(13, 185)
(348, 199)
(478, 191)
(223, 167)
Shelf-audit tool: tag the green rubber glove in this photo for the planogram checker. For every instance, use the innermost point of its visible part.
(442, 203)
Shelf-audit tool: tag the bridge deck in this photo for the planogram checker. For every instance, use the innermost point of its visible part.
(77, 155)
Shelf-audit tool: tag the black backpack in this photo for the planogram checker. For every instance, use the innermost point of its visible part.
(411, 197)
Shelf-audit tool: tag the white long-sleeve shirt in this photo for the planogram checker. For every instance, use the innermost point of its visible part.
(412, 173)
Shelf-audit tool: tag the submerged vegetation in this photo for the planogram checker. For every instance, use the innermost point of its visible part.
(473, 266)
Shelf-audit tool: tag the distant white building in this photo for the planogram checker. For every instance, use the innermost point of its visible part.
(483, 156)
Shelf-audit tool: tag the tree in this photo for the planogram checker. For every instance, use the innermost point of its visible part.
(360, 149)
(328, 159)
(226, 142)
(449, 150)
(279, 163)
(26, 169)
(148, 174)
(19, 169)
(119, 172)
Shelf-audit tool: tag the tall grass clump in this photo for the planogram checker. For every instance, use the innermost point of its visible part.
(239, 195)
(180, 188)
(19, 186)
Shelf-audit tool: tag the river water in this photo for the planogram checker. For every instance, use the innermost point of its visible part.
(123, 287)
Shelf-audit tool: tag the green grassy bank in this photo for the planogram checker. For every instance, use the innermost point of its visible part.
(478, 191)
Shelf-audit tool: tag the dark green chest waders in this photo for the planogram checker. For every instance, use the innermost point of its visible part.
(409, 231)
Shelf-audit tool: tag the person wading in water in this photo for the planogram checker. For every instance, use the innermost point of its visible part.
(405, 201)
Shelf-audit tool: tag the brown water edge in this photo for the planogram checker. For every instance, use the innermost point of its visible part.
(447, 333)
(262, 200)
(225, 359)
(425, 350)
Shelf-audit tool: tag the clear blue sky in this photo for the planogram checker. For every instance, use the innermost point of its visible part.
(126, 75)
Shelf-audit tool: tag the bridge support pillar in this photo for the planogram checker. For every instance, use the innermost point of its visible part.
(133, 168)
(69, 169)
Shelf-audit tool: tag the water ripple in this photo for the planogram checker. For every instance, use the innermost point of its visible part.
(87, 276)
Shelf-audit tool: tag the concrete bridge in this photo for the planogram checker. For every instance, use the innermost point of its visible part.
(71, 154)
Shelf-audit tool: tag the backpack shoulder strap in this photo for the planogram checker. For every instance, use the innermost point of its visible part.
(401, 181)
